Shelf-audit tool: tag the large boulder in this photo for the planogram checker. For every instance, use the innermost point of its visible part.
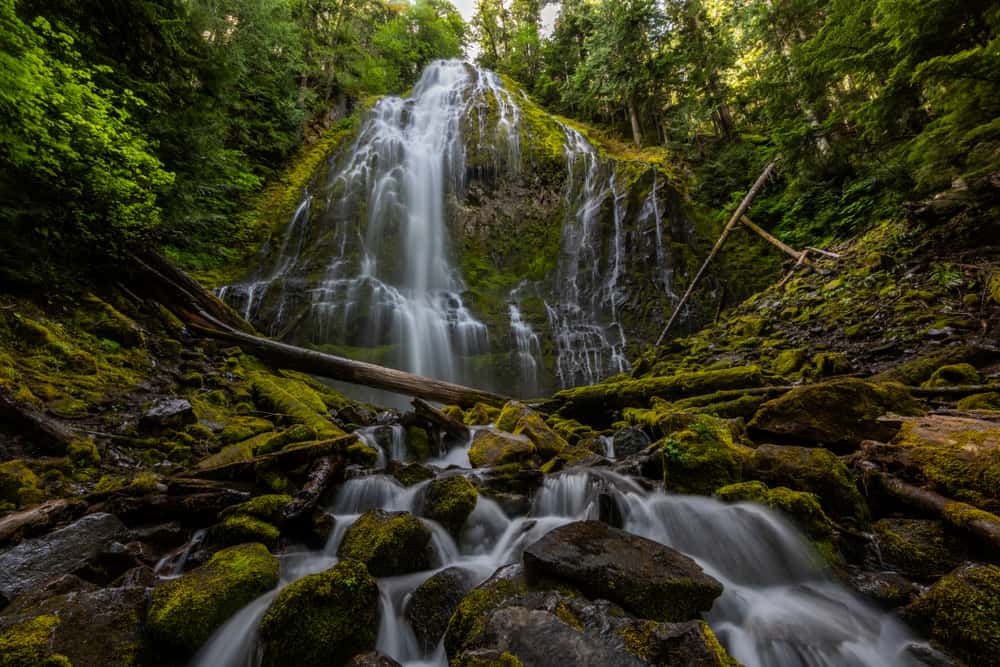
(504, 622)
(958, 457)
(322, 619)
(630, 440)
(166, 414)
(388, 543)
(450, 501)
(519, 419)
(432, 604)
(962, 611)
(839, 414)
(810, 469)
(30, 563)
(918, 548)
(185, 612)
(94, 628)
(645, 577)
(495, 448)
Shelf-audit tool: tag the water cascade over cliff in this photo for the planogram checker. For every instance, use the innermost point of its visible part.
(463, 238)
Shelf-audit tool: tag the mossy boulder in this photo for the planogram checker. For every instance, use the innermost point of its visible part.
(185, 612)
(19, 485)
(988, 401)
(495, 448)
(241, 529)
(918, 548)
(244, 427)
(322, 619)
(572, 431)
(962, 611)
(953, 375)
(958, 457)
(801, 507)
(434, 601)
(840, 413)
(510, 414)
(268, 508)
(787, 362)
(547, 442)
(27, 644)
(296, 400)
(105, 321)
(418, 443)
(699, 458)
(409, 474)
(919, 369)
(388, 543)
(811, 469)
(450, 501)
(828, 364)
(480, 414)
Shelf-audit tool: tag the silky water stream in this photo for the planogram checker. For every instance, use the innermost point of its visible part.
(780, 607)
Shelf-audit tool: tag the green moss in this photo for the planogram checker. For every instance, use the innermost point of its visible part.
(294, 400)
(547, 442)
(962, 611)
(570, 430)
(241, 529)
(722, 659)
(322, 619)
(828, 364)
(449, 501)
(568, 457)
(701, 457)
(916, 547)
(83, 453)
(988, 401)
(361, 454)
(920, 369)
(510, 415)
(413, 473)
(505, 659)
(243, 428)
(266, 508)
(789, 361)
(143, 484)
(801, 506)
(490, 448)
(469, 619)
(953, 374)
(185, 612)
(27, 644)
(418, 443)
(388, 543)
(962, 516)
(480, 414)
(19, 485)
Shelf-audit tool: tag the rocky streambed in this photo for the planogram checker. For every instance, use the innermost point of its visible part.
(507, 537)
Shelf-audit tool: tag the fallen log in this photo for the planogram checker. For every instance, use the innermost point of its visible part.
(960, 515)
(954, 392)
(799, 255)
(432, 415)
(39, 519)
(51, 432)
(295, 358)
(323, 474)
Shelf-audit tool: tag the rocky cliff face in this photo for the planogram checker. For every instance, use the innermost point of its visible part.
(467, 234)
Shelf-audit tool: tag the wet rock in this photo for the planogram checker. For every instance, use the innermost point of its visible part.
(547, 442)
(409, 474)
(510, 486)
(494, 448)
(242, 529)
(629, 441)
(839, 414)
(811, 469)
(953, 374)
(372, 659)
(645, 577)
(917, 548)
(449, 501)
(433, 602)
(322, 619)
(890, 589)
(167, 413)
(185, 612)
(962, 611)
(388, 543)
(63, 551)
(194, 508)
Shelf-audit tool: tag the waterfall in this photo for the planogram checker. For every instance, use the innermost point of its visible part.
(527, 345)
(652, 211)
(589, 339)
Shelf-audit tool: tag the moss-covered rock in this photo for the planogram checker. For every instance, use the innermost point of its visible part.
(788, 362)
(510, 414)
(294, 399)
(242, 428)
(918, 548)
(322, 619)
(953, 374)
(480, 414)
(19, 485)
(701, 457)
(450, 501)
(811, 469)
(469, 618)
(27, 644)
(409, 474)
(241, 529)
(185, 612)
(988, 401)
(434, 601)
(547, 442)
(838, 413)
(418, 443)
(962, 611)
(919, 369)
(801, 506)
(572, 431)
(828, 364)
(494, 448)
(266, 508)
(388, 543)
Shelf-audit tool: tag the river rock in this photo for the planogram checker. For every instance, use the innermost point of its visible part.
(449, 501)
(494, 448)
(185, 612)
(811, 469)
(839, 414)
(432, 604)
(388, 543)
(511, 487)
(962, 611)
(645, 577)
(322, 619)
(32, 562)
(167, 413)
(372, 659)
(95, 628)
(918, 548)
(630, 440)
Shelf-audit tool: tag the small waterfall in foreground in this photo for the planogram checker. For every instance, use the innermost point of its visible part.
(779, 608)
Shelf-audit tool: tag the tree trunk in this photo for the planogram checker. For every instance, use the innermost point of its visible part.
(633, 115)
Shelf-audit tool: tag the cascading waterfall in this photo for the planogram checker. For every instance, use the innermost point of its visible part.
(652, 211)
(589, 340)
(779, 607)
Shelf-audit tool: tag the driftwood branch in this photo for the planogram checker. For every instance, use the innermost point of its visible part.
(798, 255)
(740, 210)
(954, 392)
